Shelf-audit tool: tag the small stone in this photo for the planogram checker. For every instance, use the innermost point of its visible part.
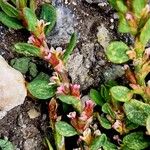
(33, 113)
(30, 144)
(12, 88)
(103, 36)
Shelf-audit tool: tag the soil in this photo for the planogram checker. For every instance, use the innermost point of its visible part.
(95, 22)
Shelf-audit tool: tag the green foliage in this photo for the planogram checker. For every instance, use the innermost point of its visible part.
(138, 6)
(21, 3)
(13, 1)
(49, 145)
(116, 52)
(104, 122)
(21, 64)
(109, 146)
(33, 5)
(98, 142)
(10, 22)
(148, 124)
(70, 47)
(71, 100)
(27, 49)
(6, 145)
(30, 18)
(59, 141)
(106, 108)
(48, 14)
(24, 65)
(40, 87)
(137, 112)
(145, 33)
(104, 91)
(130, 125)
(135, 141)
(121, 93)
(112, 2)
(9, 9)
(123, 24)
(33, 69)
(121, 6)
(64, 129)
(96, 97)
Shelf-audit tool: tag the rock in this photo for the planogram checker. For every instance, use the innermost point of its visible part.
(64, 26)
(103, 36)
(12, 88)
(33, 113)
(79, 66)
(113, 72)
(30, 144)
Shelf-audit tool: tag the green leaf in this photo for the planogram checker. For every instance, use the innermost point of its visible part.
(116, 52)
(71, 100)
(121, 93)
(123, 26)
(136, 141)
(6, 145)
(64, 129)
(33, 5)
(98, 142)
(148, 124)
(96, 97)
(40, 87)
(113, 3)
(104, 122)
(21, 64)
(49, 145)
(105, 93)
(145, 33)
(111, 83)
(137, 112)
(21, 4)
(59, 141)
(30, 18)
(32, 69)
(10, 22)
(109, 146)
(27, 49)
(106, 108)
(70, 47)
(130, 125)
(13, 1)
(138, 6)
(121, 6)
(48, 14)
(9, 9)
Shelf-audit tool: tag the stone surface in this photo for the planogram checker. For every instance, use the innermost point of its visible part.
(12, 88)
(33, 113)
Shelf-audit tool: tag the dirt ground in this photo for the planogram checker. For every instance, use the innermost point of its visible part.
(95, 23)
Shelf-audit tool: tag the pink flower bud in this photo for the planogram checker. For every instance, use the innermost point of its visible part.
(61, 90)
(129, 16)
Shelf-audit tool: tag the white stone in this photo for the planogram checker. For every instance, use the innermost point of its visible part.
(33, 113)
(12, 88)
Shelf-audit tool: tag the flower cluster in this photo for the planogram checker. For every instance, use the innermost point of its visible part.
(82, 122)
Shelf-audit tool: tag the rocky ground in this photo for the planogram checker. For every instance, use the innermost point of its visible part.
(95, 22)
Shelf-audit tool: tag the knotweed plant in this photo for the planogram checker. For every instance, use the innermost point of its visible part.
(18, 14)
(126, 109)
(121, 111)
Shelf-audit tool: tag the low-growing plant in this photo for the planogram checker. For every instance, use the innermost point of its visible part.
(126, 108)
(121, 109)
